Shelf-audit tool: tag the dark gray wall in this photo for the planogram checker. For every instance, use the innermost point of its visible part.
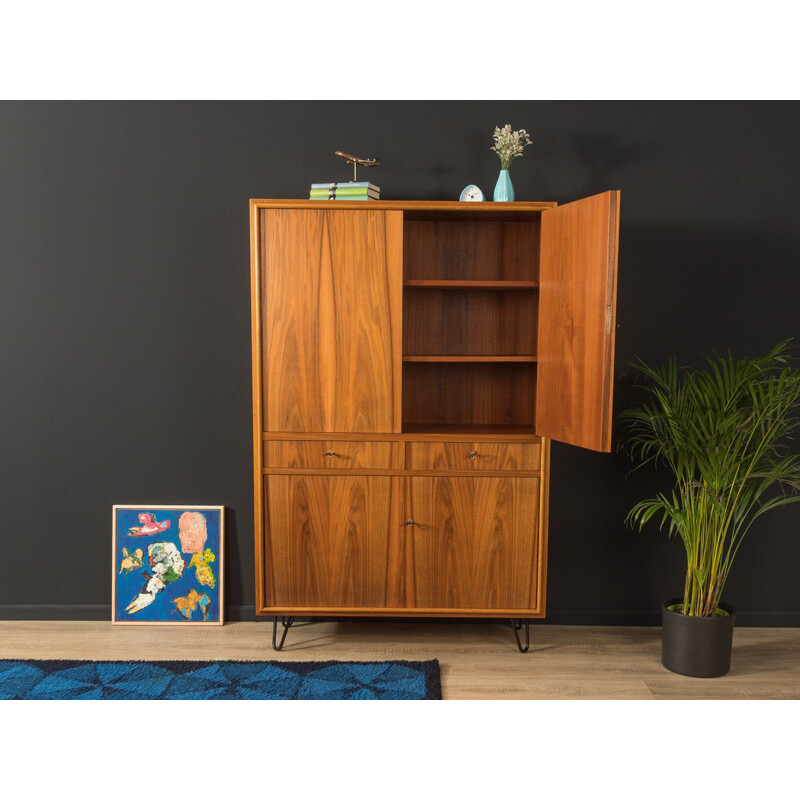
(124, 327)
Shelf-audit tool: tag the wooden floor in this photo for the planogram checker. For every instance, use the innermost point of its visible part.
(478, 661)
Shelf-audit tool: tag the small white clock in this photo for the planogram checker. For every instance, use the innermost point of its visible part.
(472, 194)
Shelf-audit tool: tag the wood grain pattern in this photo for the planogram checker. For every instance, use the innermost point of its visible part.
(577, 321)
(257, 421)
(396, 568)
(394, 259)
(465, 473)
(453, 248)
(332, 303)
(329, 540)
(347, 454)
(472, 359)
(454, 432)
(424, 209)
(423, 432)
(448, 456)
(544, 528)
(468, 394)
(410, 611)
(473, 542)
(502, 286)
(469, 322)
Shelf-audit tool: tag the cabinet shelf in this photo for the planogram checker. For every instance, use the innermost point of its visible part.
(503, 286)
(471, 359)
(428, 429)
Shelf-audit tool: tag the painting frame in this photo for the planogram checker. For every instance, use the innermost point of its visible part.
(206, 577)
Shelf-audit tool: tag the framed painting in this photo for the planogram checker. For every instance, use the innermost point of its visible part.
(168, 565)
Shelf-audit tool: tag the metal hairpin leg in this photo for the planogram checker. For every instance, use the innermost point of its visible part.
(287, 623)
(516, 624)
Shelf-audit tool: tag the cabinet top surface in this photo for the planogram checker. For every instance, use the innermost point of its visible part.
(405, 205)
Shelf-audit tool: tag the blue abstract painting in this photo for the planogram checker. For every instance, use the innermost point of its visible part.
(168, 564)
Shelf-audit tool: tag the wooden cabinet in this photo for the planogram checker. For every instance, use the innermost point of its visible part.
(411, 362)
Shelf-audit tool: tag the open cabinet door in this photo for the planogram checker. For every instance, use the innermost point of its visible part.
(577, 312)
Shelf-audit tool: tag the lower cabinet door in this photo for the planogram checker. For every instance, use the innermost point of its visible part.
(475, 542)
(327, 540)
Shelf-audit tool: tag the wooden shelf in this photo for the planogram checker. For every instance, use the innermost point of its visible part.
(468, 430)
(492, 285)
(473, 359)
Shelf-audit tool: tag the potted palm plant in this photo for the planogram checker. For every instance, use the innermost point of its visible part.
(722, 431)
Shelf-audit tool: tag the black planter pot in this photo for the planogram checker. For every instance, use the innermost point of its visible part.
(696, 646)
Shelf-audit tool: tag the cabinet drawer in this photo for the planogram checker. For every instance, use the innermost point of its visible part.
(478, 456)
(308, 454)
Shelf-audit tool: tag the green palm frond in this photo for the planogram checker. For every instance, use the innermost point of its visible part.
(722, 431)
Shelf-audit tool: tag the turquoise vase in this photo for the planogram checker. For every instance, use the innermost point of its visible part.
(504, 190)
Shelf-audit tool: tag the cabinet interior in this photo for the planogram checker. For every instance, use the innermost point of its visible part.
(470, 316)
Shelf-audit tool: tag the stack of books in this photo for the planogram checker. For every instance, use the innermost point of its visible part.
(361, 190)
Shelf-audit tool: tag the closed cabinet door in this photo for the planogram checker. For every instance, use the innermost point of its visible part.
(331, 306)
(474, 542)
(327, 540)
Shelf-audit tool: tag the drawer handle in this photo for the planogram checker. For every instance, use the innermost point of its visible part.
(408, 523)
(473, 454)
(330, 453)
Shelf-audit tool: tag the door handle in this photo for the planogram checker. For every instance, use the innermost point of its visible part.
(409, 522)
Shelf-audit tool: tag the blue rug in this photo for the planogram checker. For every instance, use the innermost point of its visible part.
(219, 680)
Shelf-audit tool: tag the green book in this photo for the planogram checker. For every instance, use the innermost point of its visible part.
(342, 193)
(342, 199)
(347, 185)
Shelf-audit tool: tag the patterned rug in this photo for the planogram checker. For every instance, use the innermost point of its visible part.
(219, 680)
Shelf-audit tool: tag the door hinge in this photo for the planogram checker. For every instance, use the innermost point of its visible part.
(608, 320)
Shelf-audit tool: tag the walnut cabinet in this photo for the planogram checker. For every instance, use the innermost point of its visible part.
(411, 363)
